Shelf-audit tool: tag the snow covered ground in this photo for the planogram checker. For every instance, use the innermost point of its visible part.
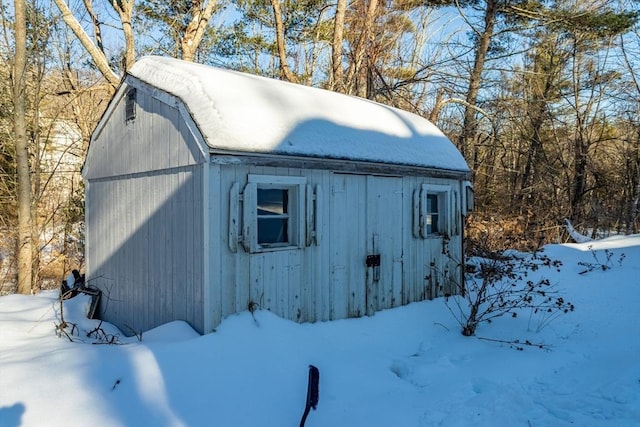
(408, 366)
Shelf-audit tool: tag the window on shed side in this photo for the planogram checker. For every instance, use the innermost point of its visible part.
(431, 211)
(274, 213)
(273, 216)
(433, 214)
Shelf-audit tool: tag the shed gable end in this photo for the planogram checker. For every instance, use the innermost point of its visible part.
(143, 130)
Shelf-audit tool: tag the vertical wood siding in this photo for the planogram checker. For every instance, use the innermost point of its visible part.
(347, 245)
(157, 139)
(387, 235)
(330, 280)
(145, 218)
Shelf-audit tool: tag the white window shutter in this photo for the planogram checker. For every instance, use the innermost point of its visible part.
(424, 232)
(469, 198)
(309, 216)
(447, 215)
(416, 213)
(249, 218)
(234, 217)
(455, 214)
(317, 226)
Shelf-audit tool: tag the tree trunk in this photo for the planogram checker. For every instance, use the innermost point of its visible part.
(580, 139)
(470, 124)
(437, 106)
(358, 73)
(24, 243)
(195, 30)
(537, 109)
(125, 10)
(578, 185)
(337, 75)
(280, 41)
(97, 31)
(634, 156)
(363, 57)
(634, 210)
(96, 54)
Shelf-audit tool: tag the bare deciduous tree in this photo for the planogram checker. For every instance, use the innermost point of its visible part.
(185, 22)
(95, 49)
(195, 30)
(280, 43)
(24, 241)
(337, 72)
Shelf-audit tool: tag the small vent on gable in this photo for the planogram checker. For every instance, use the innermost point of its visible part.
(130, 105)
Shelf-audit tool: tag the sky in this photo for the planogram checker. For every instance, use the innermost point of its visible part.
(407, 366)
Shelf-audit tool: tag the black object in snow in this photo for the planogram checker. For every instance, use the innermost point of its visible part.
(313, 394)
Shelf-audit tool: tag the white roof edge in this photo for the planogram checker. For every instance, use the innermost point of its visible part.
(245, 113)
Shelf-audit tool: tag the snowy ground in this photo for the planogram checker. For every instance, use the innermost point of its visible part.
(403, 367)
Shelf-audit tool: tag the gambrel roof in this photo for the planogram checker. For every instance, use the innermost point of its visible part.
(243, 113)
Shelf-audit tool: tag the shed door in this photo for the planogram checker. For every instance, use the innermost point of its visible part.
(366, 244)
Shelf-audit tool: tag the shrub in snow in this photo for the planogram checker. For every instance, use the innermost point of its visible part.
(500, 285)
(599, 264)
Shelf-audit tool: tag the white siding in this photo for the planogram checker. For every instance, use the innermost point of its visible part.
(347, 245)
(144, 247)
(329, 280)
(160, 137)
(158, 215)
(387, 235)
(145, 217)
(430, 272)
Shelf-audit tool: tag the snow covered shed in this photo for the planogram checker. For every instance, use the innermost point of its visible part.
(210, 191)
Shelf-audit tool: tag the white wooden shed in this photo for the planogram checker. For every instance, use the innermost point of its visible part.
(209, 191)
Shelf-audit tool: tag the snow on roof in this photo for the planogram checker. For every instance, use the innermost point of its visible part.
(240, 112)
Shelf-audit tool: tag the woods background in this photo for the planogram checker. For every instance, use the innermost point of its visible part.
(542, 98)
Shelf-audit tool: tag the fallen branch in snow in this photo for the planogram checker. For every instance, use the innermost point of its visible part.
(575, 235)
(440, 324)
(517, 344)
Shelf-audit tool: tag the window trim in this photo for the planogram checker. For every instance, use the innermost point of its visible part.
(443, 194)
(296, 222)
(431, 213)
